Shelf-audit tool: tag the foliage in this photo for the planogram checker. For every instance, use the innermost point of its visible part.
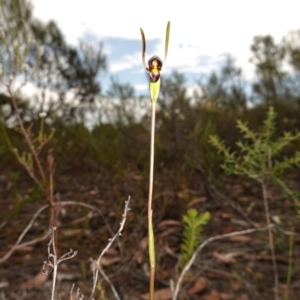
(259, 159)
(192, 236)
(116, 149)
(260, 156)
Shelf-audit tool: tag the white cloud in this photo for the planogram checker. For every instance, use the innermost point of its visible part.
(127, 62)
(141, 87)
(198, 28)
(216, 23)
(191, 89)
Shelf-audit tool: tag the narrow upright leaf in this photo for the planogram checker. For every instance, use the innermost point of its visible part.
(167, 41)
(143, 48)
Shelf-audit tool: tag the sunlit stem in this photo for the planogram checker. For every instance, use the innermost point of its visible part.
(154, 91)
(151, 256)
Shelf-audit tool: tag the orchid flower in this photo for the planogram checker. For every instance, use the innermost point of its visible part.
(155, 65)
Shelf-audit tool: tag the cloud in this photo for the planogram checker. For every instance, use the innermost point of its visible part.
(201, 31)
(126, 62)
(141, 87)
(215, 22)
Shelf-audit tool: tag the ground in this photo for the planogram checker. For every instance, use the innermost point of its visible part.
(237, 268)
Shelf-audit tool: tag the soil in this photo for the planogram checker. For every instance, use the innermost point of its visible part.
(238, 268)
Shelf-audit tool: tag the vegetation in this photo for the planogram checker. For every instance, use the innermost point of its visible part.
(192, 234)
(57, 172)
(257, 160)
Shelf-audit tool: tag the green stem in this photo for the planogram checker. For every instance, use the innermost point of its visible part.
(151, 243)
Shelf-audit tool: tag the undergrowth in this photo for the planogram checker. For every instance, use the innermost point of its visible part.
(120, 150)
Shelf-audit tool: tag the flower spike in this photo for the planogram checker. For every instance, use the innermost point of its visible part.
(155, 64)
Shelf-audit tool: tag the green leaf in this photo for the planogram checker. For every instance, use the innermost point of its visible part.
(143, 48)
(167, 41)
(154, 90)
(193, 227)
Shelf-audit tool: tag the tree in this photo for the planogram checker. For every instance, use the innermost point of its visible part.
(38, 53)
(65, 69)
(292, 45)
(268, 59)
(226, 89)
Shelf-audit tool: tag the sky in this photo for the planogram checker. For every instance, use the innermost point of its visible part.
(203, 33)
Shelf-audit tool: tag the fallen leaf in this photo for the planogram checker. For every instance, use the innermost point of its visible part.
(93, 192)
(107, 261)
(249, 270)
(3, 284)
(139, 257)
(243, 297)
(276, 219)
(169, 223)
(144, 243)
(163, 275)
(237, 190)
(39, 279)
(170, 252)
(214, 295)
(112, 251)
(244, 199)
(227, 229)
(215, 275)
(240, 239)
(226, 258)
(225, 296)
(167, 232)
(112, 214)
(226, 216)
(236, 285)
(162, 294)
(196, 201)
(199, 285)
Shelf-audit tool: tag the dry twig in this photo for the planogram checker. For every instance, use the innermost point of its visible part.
(205, 243)
(110, 242)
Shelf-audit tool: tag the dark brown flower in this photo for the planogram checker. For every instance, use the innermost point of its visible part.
(155, 64)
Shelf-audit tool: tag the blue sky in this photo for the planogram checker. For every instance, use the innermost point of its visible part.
(203, 33)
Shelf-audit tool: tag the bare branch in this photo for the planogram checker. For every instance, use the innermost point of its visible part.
(53, 261)
(205, 243)
(110, 242)
(17, 245)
